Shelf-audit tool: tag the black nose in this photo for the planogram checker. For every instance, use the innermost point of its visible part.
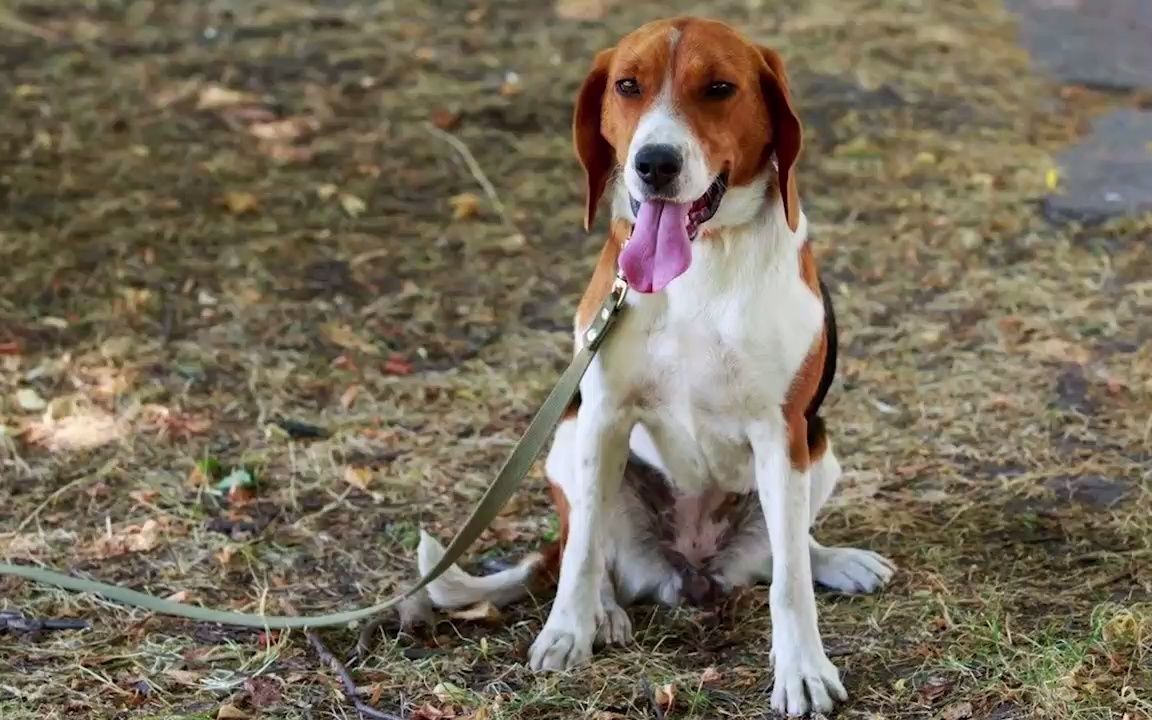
(658, 165)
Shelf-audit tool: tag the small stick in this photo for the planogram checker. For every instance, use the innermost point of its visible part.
(474, 168)
(351, 691)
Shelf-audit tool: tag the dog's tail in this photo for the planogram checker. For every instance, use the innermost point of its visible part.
(456, 588)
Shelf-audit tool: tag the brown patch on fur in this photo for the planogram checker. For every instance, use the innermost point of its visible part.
(603, 276)
(739, 133)
(803, 444)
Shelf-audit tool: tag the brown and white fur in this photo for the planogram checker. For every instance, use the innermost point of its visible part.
(695, 460)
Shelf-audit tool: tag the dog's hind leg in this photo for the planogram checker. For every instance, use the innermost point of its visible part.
(845, 569)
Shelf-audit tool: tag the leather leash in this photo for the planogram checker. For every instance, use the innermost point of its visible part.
(515, 469)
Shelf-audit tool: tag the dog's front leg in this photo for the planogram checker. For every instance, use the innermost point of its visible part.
(805, 678)
(602, 450)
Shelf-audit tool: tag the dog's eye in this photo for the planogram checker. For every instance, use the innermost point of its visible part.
(719, 90)
(628, 87)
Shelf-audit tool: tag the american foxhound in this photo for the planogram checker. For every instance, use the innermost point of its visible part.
(695, 459)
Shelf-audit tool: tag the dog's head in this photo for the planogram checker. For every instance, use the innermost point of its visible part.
(686, 108)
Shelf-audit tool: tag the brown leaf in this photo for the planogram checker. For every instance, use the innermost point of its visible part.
(956, 711)
(185, 677)
(445, 119)
(240, 203)
(132, 539)
(216, 97)
(666, 696)
(935, 688)
(465, 205)
(358, 477)
(230, 712)
(483, 612)
(428, 712)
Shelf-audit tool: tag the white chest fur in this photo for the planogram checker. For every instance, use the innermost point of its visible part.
(718, 349)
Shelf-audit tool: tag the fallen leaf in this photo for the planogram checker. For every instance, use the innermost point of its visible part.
(710, 675)
(231, 712)
(185, 677)
(483, 612)
(131, 539)
(68, 427)
(447, 693)
(666, 696)
(241, 203)
(935, 688)
(397, 365)
(30, 400)
(347, 338)
(428, 712)
(215, 97)
(358, 477)
(445, 119)
(348, 397)
(465, 205)
(180, 596)
(957, 711)
(352, 205)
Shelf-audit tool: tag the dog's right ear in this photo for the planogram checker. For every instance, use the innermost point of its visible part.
(595, 152)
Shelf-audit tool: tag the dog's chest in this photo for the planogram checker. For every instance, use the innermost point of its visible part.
(718, 359)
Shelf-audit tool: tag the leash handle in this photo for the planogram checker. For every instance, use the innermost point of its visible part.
(511, 475)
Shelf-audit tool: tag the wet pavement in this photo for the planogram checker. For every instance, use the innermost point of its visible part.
(1104, 45)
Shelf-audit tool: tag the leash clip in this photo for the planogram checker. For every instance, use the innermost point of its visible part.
(611, 307)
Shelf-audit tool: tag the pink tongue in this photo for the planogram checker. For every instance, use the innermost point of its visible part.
(659, 250)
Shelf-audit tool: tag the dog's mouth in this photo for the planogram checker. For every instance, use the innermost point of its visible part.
(660, 247)
(700, 211)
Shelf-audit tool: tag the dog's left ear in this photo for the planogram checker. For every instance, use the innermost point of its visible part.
(595, 152)
(787, 136)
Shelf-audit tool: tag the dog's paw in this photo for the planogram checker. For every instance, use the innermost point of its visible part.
(850, 570)
(560, 648)
(807, 684)
(615, 628)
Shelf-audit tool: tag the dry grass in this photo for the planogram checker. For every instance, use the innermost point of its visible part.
(185, 267)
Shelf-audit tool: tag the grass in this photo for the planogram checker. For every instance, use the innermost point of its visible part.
(214, 223)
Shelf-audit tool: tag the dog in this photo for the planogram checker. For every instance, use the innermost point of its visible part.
(694, 459)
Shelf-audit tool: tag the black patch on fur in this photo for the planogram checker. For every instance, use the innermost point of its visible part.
(829, 374)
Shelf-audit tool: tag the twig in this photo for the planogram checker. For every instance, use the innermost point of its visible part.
(474, 168)
(351, 691)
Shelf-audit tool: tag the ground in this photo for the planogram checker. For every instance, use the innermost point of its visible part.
(334, 248)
